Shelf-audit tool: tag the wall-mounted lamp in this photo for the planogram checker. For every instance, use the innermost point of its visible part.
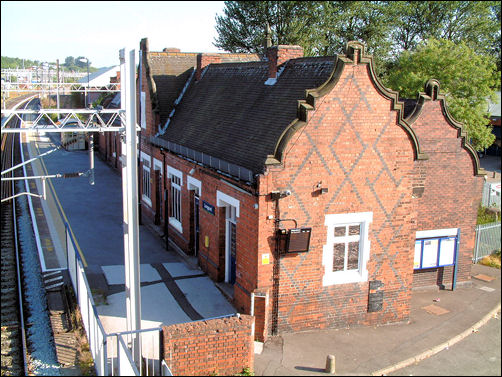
(191, 171)
(321, 190)
(274, 195)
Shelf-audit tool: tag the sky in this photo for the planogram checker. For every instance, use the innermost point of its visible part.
(50, 30)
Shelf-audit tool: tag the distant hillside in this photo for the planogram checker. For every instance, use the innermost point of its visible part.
(17, 62)
(14, 63)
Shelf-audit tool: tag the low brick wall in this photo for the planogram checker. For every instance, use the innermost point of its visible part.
(219, 346)
(261, 318)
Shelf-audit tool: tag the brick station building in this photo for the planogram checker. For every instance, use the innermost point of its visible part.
(302, 184)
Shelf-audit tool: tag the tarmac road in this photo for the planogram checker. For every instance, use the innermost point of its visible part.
(476, 355)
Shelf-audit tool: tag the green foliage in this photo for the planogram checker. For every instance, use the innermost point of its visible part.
(54, 117)
(472, 22)
(246, 372)
(14, 63)
(386, 27)
(101, 98)
(69, 61)
(243, 26)
(467, 79)
(492, 260)
(485, 216)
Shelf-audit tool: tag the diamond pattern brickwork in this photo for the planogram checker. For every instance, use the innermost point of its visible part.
(353, 146)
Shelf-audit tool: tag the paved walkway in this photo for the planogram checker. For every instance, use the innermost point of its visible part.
(438, 319)
(172, 291)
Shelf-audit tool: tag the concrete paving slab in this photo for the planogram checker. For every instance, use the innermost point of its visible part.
(158, 307)
(181, 269)
(116, 275)
(205, 297)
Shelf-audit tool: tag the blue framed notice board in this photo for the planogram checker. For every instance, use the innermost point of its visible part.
(435, 252)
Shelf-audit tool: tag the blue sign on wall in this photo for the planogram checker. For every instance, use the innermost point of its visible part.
(208, 207)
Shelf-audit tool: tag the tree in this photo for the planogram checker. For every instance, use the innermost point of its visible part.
(467, 79)
(69, 61)
(473, 22)
(242, 27)
(386, 27)
(17, 63)
(81, 62)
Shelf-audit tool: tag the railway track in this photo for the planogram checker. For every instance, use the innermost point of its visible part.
(13, 337)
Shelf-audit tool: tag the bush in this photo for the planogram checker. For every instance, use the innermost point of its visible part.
(485, 216)
(492, 260)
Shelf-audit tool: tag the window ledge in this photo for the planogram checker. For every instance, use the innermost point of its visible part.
(176, 224)
(147, 200)
(344, 277)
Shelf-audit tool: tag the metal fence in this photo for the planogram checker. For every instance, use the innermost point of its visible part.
(111, 353)
(150, 354)
(96, 334)
(491, 197)
(487, 240)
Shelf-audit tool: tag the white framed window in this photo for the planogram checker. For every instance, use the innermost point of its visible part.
(157, 165)
(224, 200)
(347, 248)
(146, 194)
(176, 178)
(194, 184)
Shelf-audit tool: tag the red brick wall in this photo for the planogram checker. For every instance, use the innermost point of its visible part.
(261, 305)
(431, 277)
(452, 191)
(215, 347)
(351, 143)
(212, 258)
(279, 54)
(204, 60)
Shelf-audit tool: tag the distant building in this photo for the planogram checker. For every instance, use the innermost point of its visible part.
(494, 110)
(100, 78)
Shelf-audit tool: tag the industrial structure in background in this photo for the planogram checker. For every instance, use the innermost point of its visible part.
(102, 121)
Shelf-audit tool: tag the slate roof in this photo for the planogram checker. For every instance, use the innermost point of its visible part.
(101, 76)
(409, 106)
(232, 115)
(169, 71)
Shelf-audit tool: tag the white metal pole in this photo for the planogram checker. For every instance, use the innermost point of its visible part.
(123, 98)
(57, 94)
(132, 203)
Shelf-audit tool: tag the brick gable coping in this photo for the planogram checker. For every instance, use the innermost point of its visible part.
(432, 94)
(355, 54)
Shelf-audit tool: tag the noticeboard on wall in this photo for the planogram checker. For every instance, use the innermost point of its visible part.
(434, 252)
(298, 240)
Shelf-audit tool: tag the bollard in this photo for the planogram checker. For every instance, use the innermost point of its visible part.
(330, 364)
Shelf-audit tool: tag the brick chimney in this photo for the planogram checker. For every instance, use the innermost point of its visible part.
(279, 54)
(203, 60)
